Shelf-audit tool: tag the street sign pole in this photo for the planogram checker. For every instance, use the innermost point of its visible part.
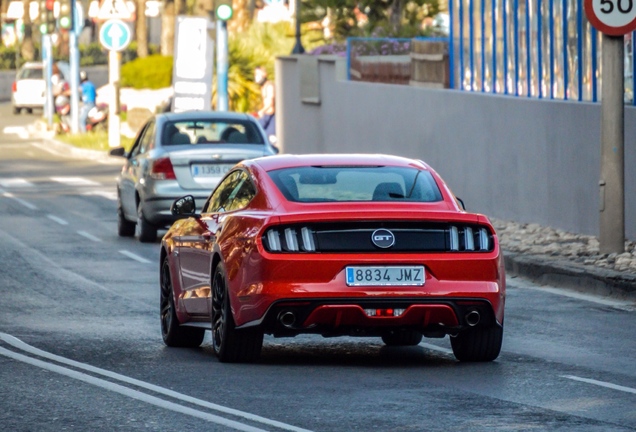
(47, 50)
(615, 19)
(74, 61)
(115, 36)
(221, 66)
(612, 182)
(114, 67)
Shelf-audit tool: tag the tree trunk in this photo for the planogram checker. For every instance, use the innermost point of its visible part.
(241, 18)
(395, 14)
(27, 50)
(179, 7)
(141, 29)
(167, 28)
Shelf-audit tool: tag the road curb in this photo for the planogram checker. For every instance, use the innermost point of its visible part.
(69, 150)
(571, 275)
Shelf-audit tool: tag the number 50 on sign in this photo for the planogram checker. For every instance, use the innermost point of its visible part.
(612, 17)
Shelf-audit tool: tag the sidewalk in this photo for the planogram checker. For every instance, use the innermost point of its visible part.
(553, 257)
(38, 130)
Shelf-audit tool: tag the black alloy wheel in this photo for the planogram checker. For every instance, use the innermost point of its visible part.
(146, 232)
(231, 345)
(172, 333)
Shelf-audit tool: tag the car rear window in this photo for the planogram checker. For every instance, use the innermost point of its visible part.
(30, 73)
(211, 131)
(357, 183)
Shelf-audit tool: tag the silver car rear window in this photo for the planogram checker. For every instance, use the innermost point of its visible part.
(356, 183)
(211, 132)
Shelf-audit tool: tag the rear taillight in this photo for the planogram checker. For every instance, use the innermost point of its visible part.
(162, 170)
(292, 239)
(469, 239)
(14, 86)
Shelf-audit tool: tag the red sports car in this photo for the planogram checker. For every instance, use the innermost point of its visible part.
(357, 245)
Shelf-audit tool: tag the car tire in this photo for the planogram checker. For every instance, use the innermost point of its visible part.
(231, 345)
(477, 344)
(146, 232)
(402, 338)
(17, 110)
(173, 334)
(125, 228)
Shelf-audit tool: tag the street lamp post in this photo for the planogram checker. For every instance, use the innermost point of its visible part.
(298, 46)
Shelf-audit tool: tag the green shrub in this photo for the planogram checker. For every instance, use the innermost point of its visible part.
(92, 54)
(8, 57)
(151, 72)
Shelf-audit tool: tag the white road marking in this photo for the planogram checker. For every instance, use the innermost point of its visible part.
(17, 343)
(20, 131)
(125, 391)
(24, 203)
(436, 348)
(135, 257)
(601, 384)
(618, 304)
(15, 183)
(89, 236)
(75, 181)
(111, 195)
(57, 219)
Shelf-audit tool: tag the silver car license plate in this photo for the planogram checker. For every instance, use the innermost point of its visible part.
(209, 170)
(385, 276)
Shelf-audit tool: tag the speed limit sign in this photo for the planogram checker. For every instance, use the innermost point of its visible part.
(612, 17)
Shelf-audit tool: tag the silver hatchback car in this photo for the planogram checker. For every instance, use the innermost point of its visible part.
(177, 154)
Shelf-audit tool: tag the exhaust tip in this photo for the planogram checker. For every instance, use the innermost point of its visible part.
(287, 319)
(472, 318)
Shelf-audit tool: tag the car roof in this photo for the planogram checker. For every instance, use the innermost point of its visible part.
(202, 115)
(35, 65)
(292, 161)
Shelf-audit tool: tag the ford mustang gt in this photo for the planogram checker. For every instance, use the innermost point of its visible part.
(356, 245)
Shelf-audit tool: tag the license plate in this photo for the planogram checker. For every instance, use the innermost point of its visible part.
(383, 276)
(209, 170)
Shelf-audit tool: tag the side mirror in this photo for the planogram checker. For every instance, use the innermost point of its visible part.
(118, 151)
(184, 206)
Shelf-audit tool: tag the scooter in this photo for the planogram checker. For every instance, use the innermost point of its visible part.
(97, 118)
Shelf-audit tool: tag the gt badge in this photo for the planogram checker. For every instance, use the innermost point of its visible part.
(383, 238)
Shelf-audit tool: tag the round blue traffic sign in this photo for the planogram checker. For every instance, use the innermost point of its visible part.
(115, 35)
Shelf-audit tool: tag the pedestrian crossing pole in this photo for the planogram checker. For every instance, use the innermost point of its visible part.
(74, 61)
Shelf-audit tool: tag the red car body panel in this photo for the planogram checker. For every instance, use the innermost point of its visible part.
(259, 280)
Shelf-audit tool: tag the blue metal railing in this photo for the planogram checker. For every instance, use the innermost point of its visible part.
(534, 42)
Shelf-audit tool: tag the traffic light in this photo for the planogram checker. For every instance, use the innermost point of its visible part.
(65, 19)
(223, 9)
(47, 17)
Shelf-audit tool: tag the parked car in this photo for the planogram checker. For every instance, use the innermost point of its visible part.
(176, 154)
(28, 91)
(356, 245)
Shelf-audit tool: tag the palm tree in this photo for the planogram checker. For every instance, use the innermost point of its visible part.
(141, 29)
(167, 28)
(241, 18)
(27, 50)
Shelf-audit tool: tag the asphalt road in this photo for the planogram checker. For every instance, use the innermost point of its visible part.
(80, 344)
